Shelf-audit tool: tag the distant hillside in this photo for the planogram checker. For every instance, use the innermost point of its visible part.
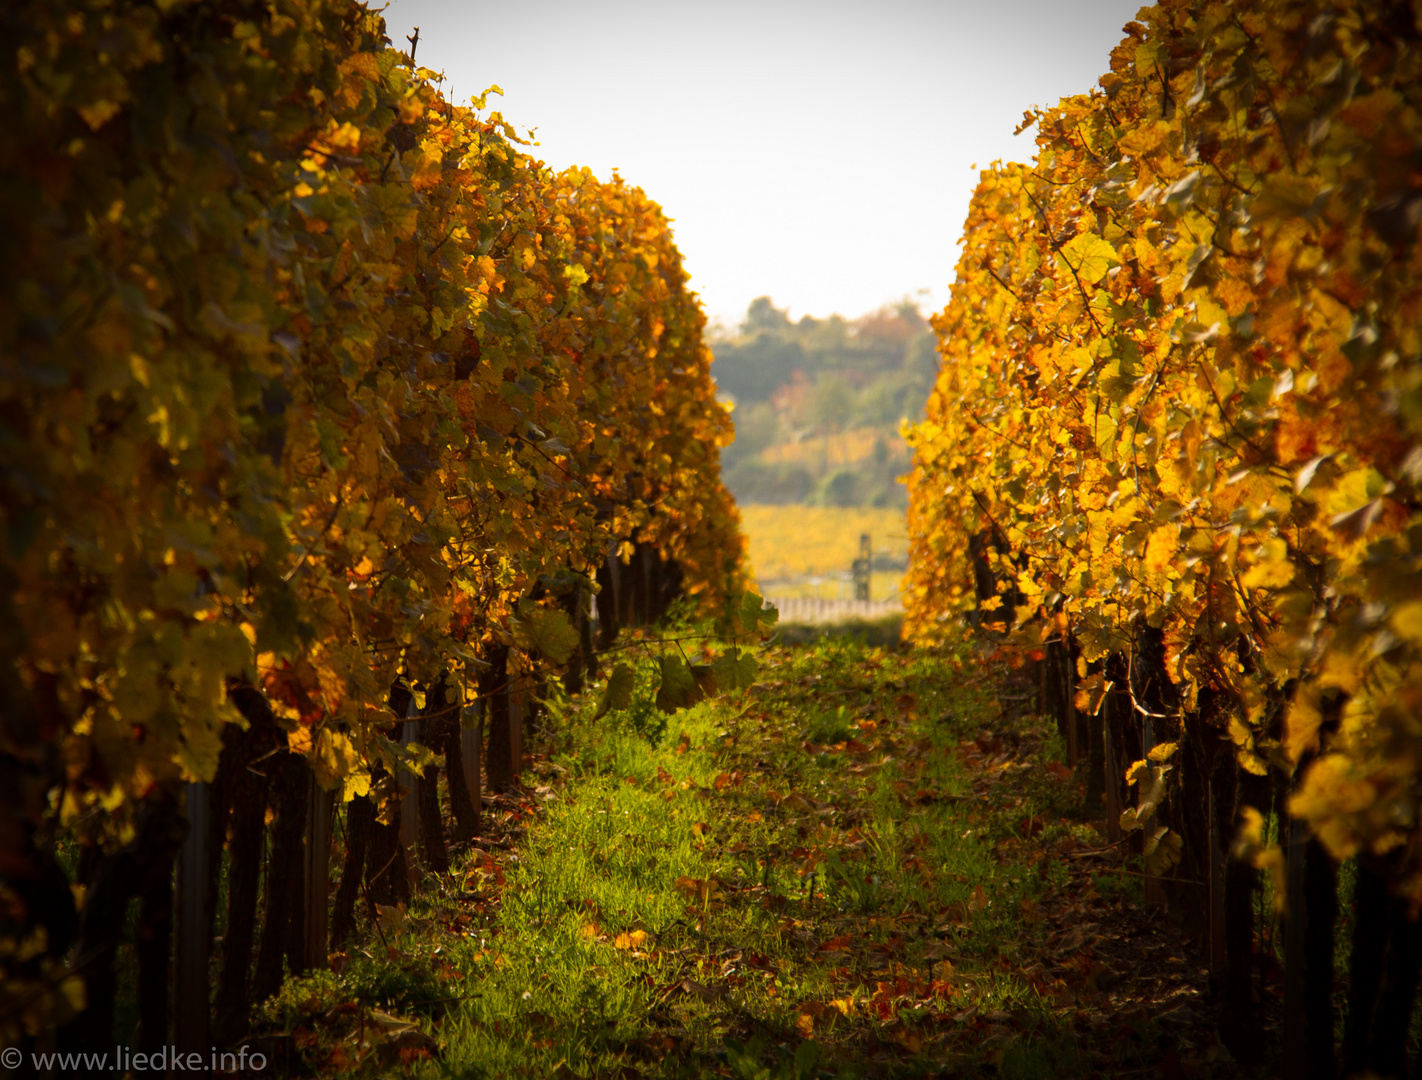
(807, 551)
(819, 403)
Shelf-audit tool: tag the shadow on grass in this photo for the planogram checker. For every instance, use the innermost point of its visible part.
(882, 633)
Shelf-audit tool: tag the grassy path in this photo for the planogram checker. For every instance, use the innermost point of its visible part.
(860, 867)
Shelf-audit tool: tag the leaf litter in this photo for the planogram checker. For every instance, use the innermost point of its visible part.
(872, 863)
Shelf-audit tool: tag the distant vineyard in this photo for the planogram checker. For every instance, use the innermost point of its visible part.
(804, 551)
(848, 448)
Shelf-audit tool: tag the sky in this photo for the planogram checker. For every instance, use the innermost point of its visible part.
(820, 153)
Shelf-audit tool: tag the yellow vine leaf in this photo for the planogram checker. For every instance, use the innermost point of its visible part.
(1090, 256)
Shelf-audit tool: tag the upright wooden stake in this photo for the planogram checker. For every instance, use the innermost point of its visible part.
(359, 823)
(453, 736)
(1042, 706)
(576, 607)
(614, 575)
(190, 1019)
(587, 654)
(1308, 959)
(1112, 769)
(409, 805)
(318, 874)
(1366, 965)
(153, 945)
(111, 881)
(517, 696)
(471, 742)
(497, 694)
(1153, 890)
(1321, 892)
(634, 588)
(1218, 953)
(609, 601)
(1096, 737)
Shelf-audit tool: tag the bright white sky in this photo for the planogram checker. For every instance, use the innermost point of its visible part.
(819, 153)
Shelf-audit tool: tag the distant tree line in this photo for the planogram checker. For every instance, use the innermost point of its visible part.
(819, 403)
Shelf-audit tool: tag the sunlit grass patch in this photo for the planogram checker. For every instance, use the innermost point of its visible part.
(807, 878)
(778, 867)
(593, 924)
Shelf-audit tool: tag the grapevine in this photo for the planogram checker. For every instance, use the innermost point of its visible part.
(1180, 377)
(314, 382)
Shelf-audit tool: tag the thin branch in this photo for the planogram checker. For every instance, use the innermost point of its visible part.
(1269, 94)
(1210, 161)
(330, 520)
(993, 274)
(1131, 690)
(1140, 410)
(1263, 455)
(1047, 226)
(993, 431)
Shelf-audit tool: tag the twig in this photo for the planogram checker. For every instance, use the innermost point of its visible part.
(1153, 877)
(1005, 285)
(324, 528)
(1131, 690)
(1140, 411)
(1047, 227)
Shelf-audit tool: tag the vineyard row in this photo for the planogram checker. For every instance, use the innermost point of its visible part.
(1174, 460)
(325, 408)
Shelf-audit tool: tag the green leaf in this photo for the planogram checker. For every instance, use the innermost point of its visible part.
(618, 694)
(1147, 58)
(749, 614)
(734, 669)
(679, 689)
(546, 631)
(758, 612)
(705, 679)
(807, 1058)
(418, 758)
(1090, 256)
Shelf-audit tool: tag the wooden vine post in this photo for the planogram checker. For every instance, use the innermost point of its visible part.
(409, 803)
(518, 694)
(318, 874)
(1154, 893)
(190, 969)
(471, 742)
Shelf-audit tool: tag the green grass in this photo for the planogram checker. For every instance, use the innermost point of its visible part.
(801, 880)
(884, 632)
